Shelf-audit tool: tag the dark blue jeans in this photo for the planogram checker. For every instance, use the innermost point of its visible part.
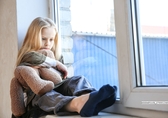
(62, 94)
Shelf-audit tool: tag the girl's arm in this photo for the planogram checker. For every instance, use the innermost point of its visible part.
(37, 60)
(54, 63)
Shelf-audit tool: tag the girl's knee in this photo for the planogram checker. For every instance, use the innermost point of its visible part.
(80, 77)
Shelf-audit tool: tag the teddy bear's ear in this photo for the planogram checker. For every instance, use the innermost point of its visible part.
(47, 53)
(43, 51)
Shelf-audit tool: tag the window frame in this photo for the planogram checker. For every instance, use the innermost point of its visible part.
(132, 102)
(53, 6)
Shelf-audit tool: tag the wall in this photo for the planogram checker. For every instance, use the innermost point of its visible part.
(15, 17)
(27, 10)
(8, 52)
(66, 33)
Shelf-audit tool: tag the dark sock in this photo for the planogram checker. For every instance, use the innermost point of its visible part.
(95, 98)
(106, 103)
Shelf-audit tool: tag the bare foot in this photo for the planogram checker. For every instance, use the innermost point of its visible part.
(77, 103)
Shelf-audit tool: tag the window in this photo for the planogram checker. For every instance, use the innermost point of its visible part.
(94, 43)
(92, 16)
(143, 90)
(154, 38)
(135, 97)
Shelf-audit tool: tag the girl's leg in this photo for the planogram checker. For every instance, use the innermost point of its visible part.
(78, 96)
(92, 103)
(89, 101)
(75, 86)
(52, 101)
(57, 99)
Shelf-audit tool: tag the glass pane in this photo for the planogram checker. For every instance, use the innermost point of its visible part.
(154, 32)
(95, 16)
(94, 43)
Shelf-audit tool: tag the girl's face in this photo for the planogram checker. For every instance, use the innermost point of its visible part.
(48, 35)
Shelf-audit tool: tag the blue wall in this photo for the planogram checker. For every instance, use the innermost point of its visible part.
(156, 60)
(95, 57)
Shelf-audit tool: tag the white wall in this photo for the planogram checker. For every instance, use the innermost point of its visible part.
(27, 10)
(8, 52)
(15, 17)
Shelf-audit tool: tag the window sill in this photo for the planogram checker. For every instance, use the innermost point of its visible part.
(101, 115)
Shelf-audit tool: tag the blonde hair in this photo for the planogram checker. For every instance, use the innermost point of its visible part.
(32, 40)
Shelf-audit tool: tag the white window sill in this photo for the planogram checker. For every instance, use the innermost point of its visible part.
(101, 115)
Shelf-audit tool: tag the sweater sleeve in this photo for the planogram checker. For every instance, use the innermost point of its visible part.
(36, 58)
(33, 59)
(50, 62)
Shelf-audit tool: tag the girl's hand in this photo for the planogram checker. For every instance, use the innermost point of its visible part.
(62, 68)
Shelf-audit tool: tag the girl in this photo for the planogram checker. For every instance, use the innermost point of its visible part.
(75, 94)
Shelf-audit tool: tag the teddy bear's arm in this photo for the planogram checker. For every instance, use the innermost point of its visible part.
(29, 77)
(17, 98)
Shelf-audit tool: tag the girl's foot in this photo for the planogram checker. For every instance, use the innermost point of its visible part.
(95, 102)
(106, 103)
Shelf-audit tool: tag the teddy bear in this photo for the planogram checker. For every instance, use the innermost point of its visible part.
(30, 76)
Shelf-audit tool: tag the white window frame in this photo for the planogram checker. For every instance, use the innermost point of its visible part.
(54, 13)
(137, 101)
(132, 98)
